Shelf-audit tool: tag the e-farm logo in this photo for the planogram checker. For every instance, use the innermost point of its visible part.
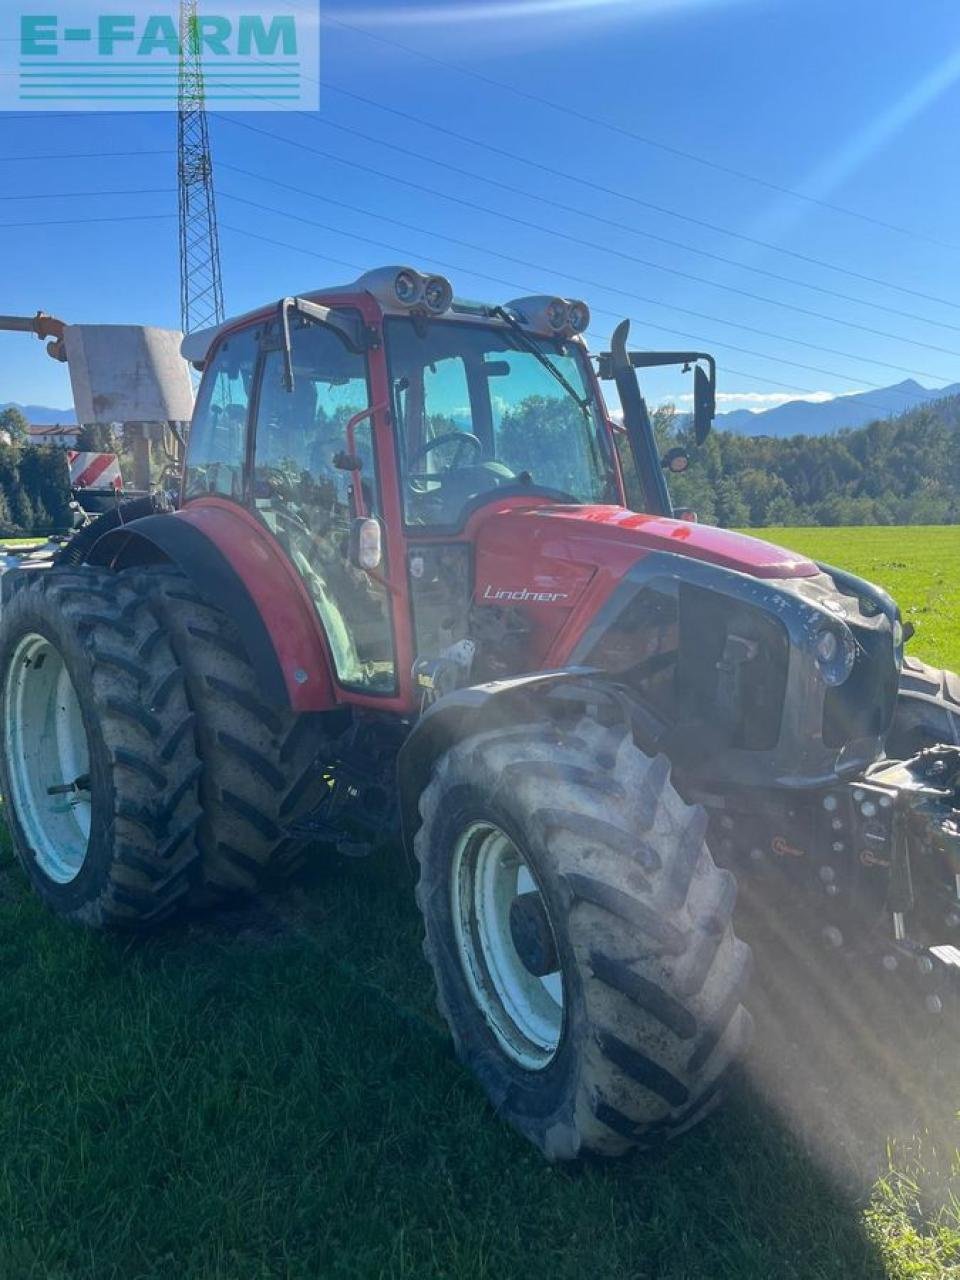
(80, 56)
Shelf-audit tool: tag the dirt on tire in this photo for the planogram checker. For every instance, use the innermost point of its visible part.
(142, 859)
(260, 763)
(653, 974)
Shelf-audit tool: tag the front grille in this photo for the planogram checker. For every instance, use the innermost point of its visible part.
(712, 667)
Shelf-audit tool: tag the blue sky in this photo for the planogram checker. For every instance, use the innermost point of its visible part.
(855, 104)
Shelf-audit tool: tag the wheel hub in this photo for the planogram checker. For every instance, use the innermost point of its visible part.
(48, 758)
(532, 935)
(507, 945)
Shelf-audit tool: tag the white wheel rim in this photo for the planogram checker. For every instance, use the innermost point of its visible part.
(524, 1012)
(46, 746)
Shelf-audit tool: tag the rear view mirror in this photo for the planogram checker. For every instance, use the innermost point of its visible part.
(704, 403)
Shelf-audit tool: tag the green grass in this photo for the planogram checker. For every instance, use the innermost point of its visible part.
(271, 1095)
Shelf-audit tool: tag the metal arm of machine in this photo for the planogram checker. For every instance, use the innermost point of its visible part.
(43, 326)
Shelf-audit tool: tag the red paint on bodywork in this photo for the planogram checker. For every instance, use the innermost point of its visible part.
(579, 555)
(732, 550)
(279, 594)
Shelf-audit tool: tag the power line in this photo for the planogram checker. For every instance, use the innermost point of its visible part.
(81, 222)
(597, 122)
(84, 195)
(556, 204)
(88, 155)
(452, 266)
(884, 410)
(620, 253)
(593, 284)
(661, 209)
(503, 153)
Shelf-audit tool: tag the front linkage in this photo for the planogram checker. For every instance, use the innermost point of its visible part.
(873, 864)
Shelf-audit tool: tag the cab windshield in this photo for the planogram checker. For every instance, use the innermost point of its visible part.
(478, 414)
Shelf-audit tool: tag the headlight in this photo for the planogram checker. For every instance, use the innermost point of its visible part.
(835, 652)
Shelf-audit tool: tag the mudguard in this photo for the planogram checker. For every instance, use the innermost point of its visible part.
(464, 712)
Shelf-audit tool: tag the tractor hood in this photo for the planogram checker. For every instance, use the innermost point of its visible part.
(557, 565)
(543, 551)
(703, 542)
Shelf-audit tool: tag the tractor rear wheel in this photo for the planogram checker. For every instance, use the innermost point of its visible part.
(928, 710)
(261, 766)
(580, 936)
(98, 767)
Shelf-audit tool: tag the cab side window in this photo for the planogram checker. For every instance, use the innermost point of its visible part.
(309, 503)
(217, 446)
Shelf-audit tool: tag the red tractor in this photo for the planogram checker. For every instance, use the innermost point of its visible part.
(401, 589)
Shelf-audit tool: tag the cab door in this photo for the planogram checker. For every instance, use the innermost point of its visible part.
(306, 488)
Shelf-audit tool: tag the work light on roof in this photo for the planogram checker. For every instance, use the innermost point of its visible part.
(579, 316)
(555, 317)
(408, 288)
(437, 295)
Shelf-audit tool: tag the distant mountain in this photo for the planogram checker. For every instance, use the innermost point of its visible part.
(41, 414)
(805, 417)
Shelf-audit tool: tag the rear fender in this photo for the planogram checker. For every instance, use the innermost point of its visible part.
(235, 565)
(472, 710)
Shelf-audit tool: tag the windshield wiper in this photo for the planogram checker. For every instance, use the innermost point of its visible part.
(528, 344)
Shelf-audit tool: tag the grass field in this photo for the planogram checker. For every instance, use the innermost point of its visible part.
(271, 1095)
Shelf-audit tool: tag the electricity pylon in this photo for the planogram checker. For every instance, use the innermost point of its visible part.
(201, 286)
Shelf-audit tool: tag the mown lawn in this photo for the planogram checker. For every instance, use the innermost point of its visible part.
(270, 1095)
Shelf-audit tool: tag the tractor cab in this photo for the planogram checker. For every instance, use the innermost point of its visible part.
(371, 429)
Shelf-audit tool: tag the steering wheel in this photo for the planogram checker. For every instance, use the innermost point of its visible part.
(451, 437)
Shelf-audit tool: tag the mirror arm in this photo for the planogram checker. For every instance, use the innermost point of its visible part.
(636, 419)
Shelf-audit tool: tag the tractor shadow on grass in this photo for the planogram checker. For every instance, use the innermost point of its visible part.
(773, 1184)
(852, 1063)
(317, 1003)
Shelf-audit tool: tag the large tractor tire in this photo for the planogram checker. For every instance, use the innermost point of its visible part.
(260, 763)
(928, 710)
(580, 936)
(99, 772)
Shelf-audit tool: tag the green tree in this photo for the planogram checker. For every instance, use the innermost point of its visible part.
(21, 508)
(732, 511)
(6, 519)
(552, 440)
(97, 438)
(13, 422)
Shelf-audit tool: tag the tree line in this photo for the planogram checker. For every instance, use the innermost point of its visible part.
(903, 470)
(34, 482)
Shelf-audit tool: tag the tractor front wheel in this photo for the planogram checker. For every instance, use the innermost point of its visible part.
(928, 710)
(580, 936)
